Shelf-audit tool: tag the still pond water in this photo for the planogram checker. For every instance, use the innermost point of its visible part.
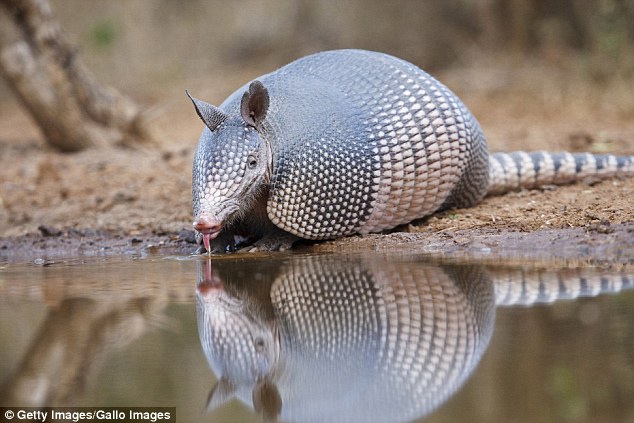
(369, 338)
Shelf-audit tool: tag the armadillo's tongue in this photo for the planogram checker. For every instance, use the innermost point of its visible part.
(207, 242)
(209, 227)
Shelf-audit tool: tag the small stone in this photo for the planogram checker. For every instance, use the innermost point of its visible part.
(47, 230)
(187, 235)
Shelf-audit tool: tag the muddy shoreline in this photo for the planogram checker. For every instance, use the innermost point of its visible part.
(604, 245)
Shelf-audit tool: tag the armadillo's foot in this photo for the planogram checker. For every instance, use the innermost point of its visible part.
(278, 241)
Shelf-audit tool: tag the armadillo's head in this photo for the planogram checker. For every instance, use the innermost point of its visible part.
(232, 163)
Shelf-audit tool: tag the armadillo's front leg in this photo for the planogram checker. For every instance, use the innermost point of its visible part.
(225, 241)
(275, 240)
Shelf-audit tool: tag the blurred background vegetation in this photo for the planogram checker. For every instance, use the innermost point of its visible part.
(147, 47)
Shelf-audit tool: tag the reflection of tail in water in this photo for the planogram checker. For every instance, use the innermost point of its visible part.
(350, 340)
(526, 287)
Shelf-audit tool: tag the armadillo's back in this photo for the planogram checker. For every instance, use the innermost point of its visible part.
(363, 142)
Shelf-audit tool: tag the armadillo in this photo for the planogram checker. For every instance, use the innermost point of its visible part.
(373, 338)
(351, 142)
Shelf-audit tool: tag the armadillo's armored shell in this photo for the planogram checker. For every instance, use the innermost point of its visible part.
(323, 169)
(363, 142)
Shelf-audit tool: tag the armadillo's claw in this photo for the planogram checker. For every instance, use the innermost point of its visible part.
(277, 241)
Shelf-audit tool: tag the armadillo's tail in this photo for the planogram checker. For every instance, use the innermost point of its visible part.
(511, 171)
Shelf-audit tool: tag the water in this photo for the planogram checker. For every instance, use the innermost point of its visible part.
(320, 338)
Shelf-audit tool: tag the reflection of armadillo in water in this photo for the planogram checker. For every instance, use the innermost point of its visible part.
(354, 339)
(351, 141)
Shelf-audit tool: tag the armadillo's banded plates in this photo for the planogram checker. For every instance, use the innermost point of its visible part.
(322, 190)
(389, 145)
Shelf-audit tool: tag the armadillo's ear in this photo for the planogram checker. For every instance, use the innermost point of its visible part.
(267, 400)
(255, 103)
(209, 114)
(223, 391)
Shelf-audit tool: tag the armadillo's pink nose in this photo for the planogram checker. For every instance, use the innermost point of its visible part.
(210, 228)
(207, 226)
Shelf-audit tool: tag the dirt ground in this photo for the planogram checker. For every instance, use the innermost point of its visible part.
(138, 201)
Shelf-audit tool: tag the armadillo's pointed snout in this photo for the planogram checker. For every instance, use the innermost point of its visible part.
(209, 228)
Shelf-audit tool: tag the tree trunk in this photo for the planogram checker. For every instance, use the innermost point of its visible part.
(44, 70)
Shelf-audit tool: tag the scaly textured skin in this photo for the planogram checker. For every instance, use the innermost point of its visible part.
(361, 339)
(351, 141)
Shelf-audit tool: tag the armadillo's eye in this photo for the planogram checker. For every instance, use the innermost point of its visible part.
(259, 344)
(252, 162)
